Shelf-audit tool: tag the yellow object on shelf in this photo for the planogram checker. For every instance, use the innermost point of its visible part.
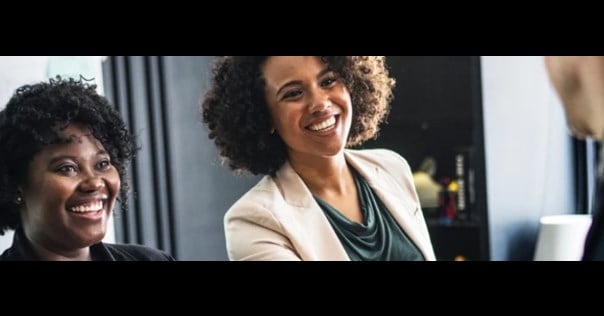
(453, 186)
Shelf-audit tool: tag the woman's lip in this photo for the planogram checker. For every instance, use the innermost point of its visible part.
(331, 131)
(94, 206)
(89, 215)
(321, 119)
(86, 201)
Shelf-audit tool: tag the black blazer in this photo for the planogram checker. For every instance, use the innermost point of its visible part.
(594, 244)
(22, 251)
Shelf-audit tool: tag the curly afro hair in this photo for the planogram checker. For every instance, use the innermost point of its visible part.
(237, 116)
(32, 119)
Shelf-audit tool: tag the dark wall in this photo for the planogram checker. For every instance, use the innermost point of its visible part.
(181, 190)
(437, 111)
(431, 112)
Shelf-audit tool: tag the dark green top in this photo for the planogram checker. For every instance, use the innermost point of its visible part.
(379, 238)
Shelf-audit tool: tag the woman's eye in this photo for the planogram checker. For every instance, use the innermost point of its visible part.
(68, 169)
(292, 94)
(103, 165)
(328, 81)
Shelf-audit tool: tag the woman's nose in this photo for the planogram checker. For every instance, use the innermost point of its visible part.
(319, 102)
(92, 183)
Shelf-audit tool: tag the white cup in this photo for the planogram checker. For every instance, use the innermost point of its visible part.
(562, 237)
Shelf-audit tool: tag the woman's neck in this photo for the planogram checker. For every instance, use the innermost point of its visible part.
(324, 174)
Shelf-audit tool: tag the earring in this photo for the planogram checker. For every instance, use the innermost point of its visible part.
(272, 131)
(18, 199)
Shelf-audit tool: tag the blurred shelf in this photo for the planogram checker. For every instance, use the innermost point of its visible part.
(456, 240)
(453, 223)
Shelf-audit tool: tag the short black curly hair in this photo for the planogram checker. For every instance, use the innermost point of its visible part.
(32, 119)
(236, 113)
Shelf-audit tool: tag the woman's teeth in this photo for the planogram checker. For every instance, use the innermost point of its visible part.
(325, 125)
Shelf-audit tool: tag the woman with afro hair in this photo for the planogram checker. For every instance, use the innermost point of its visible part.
(63, 157)
(294, 119)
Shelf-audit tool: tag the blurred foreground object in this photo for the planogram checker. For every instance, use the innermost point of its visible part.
(561, 237)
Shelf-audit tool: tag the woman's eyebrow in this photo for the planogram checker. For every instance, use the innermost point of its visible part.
(294, 82)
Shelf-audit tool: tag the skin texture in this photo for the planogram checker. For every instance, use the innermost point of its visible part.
(33, 119)
(579, 80)
(63, 176)
(303, 95)
(301, 98)
(235, 108)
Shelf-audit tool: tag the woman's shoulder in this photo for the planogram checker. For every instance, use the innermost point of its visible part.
(261, 194)
(380, 156)
(257, 204)
(389, 162)
(130, 252)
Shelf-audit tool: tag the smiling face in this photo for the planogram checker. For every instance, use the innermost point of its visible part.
(69, 193)
(309, 104)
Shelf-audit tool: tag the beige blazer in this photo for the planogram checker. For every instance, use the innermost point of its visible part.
(278, 219)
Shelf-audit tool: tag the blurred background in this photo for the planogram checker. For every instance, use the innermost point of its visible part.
(485, 137)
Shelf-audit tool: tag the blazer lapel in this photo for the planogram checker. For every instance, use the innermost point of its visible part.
(312, 234)
(310, 231)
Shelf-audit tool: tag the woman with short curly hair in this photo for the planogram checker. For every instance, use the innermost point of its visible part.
(63, 157)
(293, 118)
